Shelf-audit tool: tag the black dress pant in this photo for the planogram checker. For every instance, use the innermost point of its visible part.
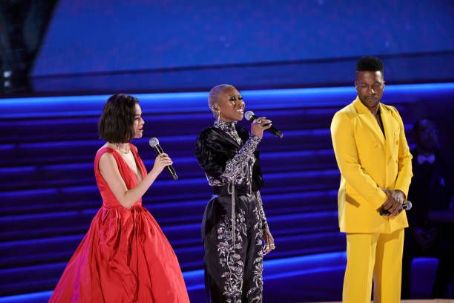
(233, 267)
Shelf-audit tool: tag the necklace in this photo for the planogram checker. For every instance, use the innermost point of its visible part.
(117, 145)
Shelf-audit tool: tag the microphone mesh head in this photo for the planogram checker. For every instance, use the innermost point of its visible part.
(409, 205)
(248, 115)
(153, 142)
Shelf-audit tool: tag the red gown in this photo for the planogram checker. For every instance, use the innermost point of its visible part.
(125, 256)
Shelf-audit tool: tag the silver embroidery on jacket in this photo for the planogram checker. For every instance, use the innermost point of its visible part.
(239, 168)
(260, 209)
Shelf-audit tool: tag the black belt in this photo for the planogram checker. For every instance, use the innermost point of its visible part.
(233, 191)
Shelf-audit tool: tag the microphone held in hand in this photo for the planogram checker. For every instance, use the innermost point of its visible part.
(154, 142)
(407, 205)
(251, 117)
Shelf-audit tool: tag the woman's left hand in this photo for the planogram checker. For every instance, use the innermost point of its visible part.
(269, 241)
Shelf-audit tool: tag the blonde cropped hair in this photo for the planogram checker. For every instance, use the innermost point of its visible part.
(213, 97)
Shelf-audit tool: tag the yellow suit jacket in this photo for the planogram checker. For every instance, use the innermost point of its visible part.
(369, 162)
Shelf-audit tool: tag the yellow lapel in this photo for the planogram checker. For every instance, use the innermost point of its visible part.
(388, 124)
(366, 116)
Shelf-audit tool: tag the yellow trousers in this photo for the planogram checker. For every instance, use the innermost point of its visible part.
(376, 257)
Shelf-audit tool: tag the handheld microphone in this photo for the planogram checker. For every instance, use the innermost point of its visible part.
(407, 205)
(251, 117)
(154, 142)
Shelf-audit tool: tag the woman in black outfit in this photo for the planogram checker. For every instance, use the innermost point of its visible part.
(234, 229)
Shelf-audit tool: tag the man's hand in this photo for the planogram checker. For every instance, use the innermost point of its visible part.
(393, 205)
(398, 196)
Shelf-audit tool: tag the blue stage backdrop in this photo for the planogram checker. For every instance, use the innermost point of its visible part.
(88, 36)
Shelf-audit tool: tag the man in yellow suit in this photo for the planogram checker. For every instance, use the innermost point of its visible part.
(375, 165)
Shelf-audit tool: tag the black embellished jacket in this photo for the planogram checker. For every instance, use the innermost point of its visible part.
(229, 155)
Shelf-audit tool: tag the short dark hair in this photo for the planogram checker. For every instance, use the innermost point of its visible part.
(370, 64)
(423, 124)
(117, 119)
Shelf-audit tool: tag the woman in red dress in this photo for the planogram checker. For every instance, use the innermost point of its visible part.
(124, 257)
